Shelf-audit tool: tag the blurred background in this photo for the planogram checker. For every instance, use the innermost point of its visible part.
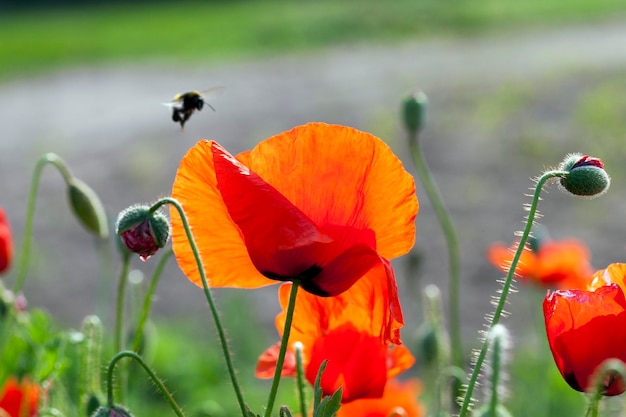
(513, 87)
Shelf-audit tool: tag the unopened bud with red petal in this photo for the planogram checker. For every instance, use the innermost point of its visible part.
(141, 231)
(586, 175)
(6, 243)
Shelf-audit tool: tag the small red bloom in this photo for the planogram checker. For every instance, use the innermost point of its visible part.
(19, 399)
(399, 399)
(6, 243)
(354, 331)
(321, 204)
(562, 264)
(585, 328)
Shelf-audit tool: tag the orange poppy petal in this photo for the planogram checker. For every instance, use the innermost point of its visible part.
(501, 257)
(613, 274)
(356, 362)
(339, 175)
(565, 263)
(365, 307)
(371, 305)
(399, 359)
(399, 398)
(282, 242)
(266, 365)
(222, 250)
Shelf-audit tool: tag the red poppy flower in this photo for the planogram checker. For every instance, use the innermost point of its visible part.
(399, 399)
(19, 400)
(353, 331)
(585, 328)
(553, 263)
(6, 243)
(320, 203)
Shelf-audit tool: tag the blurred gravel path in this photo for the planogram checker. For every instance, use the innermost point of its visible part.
(108, 123)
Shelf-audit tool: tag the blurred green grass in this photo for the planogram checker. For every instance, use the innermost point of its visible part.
(194, 32)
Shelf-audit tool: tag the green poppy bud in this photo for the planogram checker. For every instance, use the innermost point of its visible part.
(413, 111)
(586, 176)
(87, 208)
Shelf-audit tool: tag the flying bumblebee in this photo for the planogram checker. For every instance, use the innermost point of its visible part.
(185, 104)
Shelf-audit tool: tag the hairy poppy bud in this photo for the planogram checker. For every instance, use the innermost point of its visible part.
(88, 208)
(6, 243)
(141, 231)
(586, 175)
(414, 109)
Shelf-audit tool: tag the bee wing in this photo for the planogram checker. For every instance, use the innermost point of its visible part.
(171, 104)
(211, 92)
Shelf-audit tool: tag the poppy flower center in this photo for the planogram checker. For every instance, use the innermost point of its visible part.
(309, 273)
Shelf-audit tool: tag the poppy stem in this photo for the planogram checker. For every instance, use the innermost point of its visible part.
(447, 227)
(608, 370)
(506, 286)
(147, 302)
(49, 158)
(119, 315)
(155, 379)
(300, 379)
(207, 292)
(283, 348)
(90, 358)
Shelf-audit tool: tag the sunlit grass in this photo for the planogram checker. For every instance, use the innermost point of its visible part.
(190, 31)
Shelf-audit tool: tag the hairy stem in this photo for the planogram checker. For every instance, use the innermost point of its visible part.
(283, 348)
(506, 287)
(209, 297)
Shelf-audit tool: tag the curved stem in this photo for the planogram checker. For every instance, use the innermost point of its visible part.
(30, 213)
(283, 348)
(207, 292)
(149, 371)
(453, 246)
(507, 286)
(147, 303)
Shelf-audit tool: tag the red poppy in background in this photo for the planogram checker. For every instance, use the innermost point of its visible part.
(399, 399)
(354, 331)
(6, 243)
(19, 399)
(321, 204)
(563, 264)
(585, 328)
